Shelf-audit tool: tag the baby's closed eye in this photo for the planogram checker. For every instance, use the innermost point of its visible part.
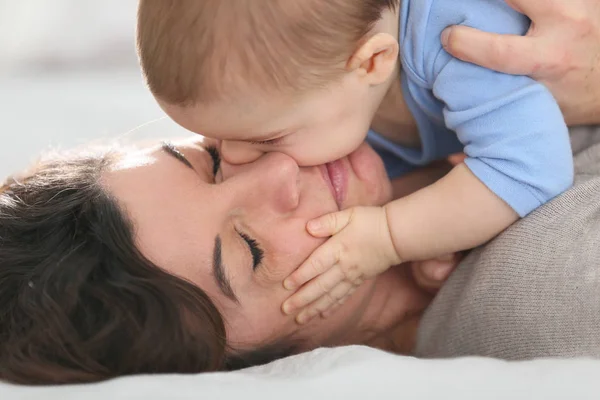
(271, 142)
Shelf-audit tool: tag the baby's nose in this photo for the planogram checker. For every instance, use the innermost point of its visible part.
(237, 152)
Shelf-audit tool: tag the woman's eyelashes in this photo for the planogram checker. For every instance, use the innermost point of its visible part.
(216, 158)
(255, 250)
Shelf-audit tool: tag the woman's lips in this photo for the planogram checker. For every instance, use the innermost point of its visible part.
(336, 176)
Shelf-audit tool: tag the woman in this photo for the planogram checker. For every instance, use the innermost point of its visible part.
(534, 291)
(168, 260)
(158, 261)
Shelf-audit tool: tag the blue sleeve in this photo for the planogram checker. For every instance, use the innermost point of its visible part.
(512, 129)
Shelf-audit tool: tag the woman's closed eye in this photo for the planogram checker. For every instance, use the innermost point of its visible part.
(216, 159)
(255, 250)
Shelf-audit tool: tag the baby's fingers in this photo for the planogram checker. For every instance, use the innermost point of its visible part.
(320, 286)
(337, 295)
(320, 261)
(329, 224)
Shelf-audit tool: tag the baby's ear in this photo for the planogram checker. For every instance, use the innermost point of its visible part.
(375, 59)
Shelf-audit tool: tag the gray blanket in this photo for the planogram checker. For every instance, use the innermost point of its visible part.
(534, 291)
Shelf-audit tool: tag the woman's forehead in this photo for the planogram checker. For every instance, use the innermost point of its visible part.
(142, 152)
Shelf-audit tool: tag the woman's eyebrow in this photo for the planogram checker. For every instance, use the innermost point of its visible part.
(219, 272)
(171, 150)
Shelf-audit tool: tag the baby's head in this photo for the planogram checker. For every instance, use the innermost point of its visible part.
(301, 77)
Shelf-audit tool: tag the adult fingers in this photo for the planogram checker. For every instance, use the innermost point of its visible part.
(534, 9)
(510, 54)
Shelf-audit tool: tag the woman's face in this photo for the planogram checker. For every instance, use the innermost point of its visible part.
(238, 231)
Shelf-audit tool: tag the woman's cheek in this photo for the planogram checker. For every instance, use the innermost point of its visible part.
(380, 187)
(271, 273)
(291, 254)
(282, 258)
(386, 193)
(370, 195)
(371, 185)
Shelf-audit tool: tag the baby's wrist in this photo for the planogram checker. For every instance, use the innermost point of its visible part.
(391, 251)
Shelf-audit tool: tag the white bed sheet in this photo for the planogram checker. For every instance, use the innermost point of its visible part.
(352, 372)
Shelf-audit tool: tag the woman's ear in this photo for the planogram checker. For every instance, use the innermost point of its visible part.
(376, 58)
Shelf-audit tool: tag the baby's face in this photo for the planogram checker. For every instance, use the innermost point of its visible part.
(319, 127)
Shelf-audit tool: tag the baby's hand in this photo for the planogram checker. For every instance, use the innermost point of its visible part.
(360, 249)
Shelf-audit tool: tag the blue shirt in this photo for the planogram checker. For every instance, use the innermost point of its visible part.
(510, 127)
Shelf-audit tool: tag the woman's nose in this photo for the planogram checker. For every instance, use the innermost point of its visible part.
(237, 152)
(271, 182)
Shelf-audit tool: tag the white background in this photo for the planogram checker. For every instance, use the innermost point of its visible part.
(69, 75)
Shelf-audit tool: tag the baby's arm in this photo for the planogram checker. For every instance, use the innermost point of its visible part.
(456, 213)
(518, 158)
(361, 248)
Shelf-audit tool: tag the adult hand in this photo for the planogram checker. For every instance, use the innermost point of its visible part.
(561, 50)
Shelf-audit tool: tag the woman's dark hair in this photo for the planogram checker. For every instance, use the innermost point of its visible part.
(80, 303)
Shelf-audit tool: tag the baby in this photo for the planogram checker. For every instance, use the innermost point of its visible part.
(310, 78)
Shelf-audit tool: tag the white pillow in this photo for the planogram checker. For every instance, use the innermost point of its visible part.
(352, 372)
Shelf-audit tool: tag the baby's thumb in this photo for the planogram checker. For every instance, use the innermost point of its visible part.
(431, 274)
(329, 224)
